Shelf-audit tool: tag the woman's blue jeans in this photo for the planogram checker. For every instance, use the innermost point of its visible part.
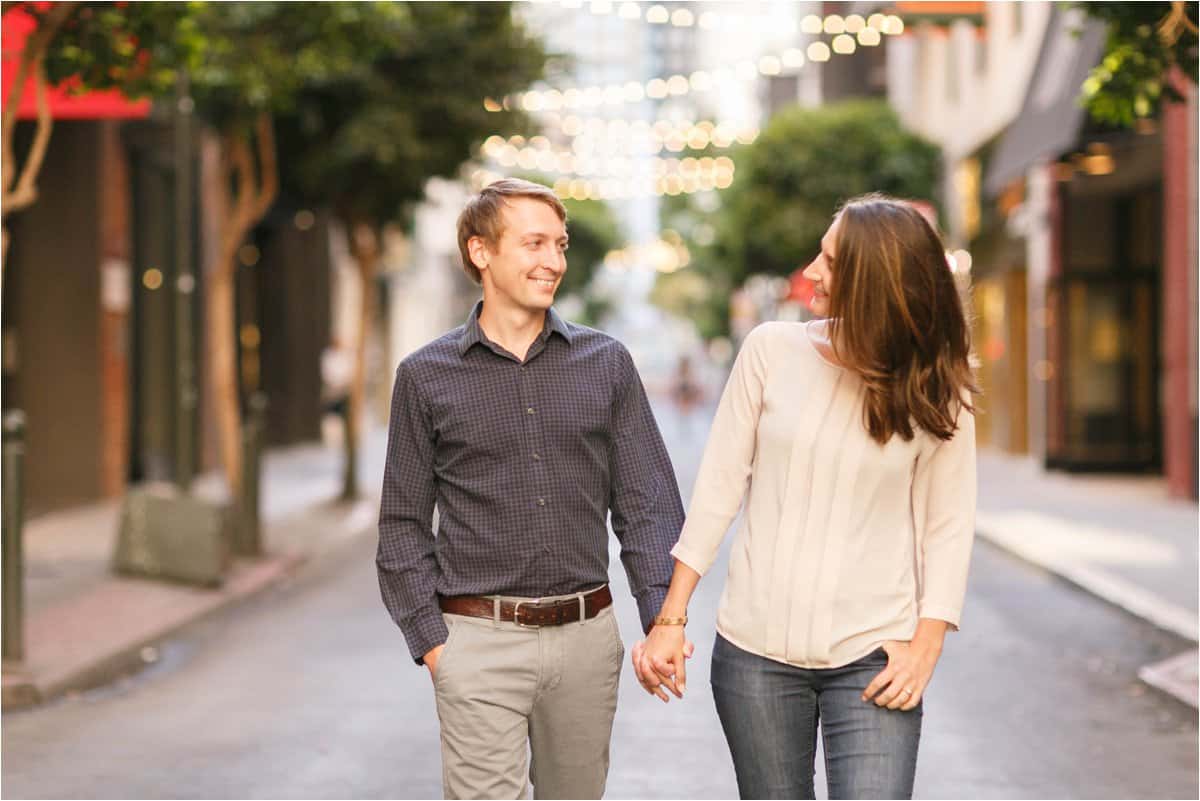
(770, 710)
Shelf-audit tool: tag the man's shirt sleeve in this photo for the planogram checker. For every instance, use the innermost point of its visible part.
(406, 559)
(647, 512)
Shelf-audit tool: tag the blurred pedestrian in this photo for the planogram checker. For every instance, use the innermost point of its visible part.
(687, 394)
(852, 440)
(525, 430)
(685, 389)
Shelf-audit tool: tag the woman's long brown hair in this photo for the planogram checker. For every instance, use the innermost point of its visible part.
(896, 319)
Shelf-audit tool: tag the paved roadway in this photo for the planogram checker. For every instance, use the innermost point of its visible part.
(307, 692)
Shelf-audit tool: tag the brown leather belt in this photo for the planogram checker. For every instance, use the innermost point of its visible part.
(529, 613)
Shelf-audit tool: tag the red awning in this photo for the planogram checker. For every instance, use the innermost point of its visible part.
(111, 104)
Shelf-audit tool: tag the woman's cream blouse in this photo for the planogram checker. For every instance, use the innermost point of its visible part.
(844, 543)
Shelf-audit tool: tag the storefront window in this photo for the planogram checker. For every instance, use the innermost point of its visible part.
(1107, 315)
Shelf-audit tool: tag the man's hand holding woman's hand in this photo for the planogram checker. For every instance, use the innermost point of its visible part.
(659, 661)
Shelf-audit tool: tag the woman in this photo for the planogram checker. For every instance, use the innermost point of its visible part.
(852, 440)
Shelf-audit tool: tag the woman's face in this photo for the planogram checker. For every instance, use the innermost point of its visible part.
(820, 271)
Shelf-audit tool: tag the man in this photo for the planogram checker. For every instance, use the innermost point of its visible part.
(524, 430)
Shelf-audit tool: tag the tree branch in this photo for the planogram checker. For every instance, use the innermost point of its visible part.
(26, 191)
(268, 166)
(243, 213)
(32, 59)
(1175, 23)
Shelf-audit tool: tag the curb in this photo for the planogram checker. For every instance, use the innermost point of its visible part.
(1119, 592)
(1175, 676)
(65, 656)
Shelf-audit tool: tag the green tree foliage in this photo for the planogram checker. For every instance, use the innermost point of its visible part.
(255, 61)
(80, 47)
(807, 162)
(1145, 40)
(701, 291)
(134, 47)
(594, 232)
(788, 185)
(403, 103)
(366, 140)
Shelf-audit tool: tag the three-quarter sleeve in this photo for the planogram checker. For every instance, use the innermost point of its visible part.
(728, 456)
(944, 491)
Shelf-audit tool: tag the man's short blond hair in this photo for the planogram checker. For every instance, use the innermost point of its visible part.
(482, 216)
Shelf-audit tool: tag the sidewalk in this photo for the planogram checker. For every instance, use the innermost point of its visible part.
(84, 625)
(1120, 538)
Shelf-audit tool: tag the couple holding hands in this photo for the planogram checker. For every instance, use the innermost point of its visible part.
(847, 442)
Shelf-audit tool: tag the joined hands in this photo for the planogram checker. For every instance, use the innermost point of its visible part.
(659, 661)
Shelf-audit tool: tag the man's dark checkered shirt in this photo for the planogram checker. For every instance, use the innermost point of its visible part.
(524, 462)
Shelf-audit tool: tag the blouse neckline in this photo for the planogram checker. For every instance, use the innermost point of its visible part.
(813, 341)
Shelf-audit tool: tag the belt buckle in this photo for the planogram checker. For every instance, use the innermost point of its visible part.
(517, 614)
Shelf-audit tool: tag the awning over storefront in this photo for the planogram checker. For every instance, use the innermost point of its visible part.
(1051, 116)
(64, 104)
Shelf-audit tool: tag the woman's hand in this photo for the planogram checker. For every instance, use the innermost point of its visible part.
(901, 684)
(658, 661)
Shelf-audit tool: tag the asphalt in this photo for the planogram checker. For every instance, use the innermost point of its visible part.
(1119, 538)
(306, 691)
(86, 626)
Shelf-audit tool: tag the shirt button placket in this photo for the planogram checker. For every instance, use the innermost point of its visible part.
(534, 431)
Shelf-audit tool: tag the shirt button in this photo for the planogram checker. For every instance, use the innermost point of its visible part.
(529, 410)
(541, 501)
(537, 457)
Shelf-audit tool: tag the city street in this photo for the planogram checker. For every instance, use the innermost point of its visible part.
(308, 692)
(228, 227)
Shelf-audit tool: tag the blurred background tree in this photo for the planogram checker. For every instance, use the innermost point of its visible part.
(372, 99)
(594, 231)
(364, 141)
(257, 59)
(135, 48)
(788, 185)
(1146, 41)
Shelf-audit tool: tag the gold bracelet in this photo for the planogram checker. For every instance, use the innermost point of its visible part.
(659, 620)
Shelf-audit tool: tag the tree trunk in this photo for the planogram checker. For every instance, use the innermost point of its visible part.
(365, 248)
(223, 363)
(248, 195)
(20, 194)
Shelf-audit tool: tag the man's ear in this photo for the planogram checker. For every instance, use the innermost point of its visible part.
(478, 250)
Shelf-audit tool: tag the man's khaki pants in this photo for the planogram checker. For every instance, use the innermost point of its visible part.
(504, 691)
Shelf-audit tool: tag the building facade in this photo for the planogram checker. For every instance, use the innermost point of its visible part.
(1082, 238)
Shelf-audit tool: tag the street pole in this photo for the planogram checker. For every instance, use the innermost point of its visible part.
(13, 548)
(249, 532)
(185, 285)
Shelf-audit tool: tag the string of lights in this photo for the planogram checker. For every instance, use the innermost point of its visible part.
(848, 34)
(536, 156)
(616, 138)
(667, 177)
(617, 158)
(657, 14)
